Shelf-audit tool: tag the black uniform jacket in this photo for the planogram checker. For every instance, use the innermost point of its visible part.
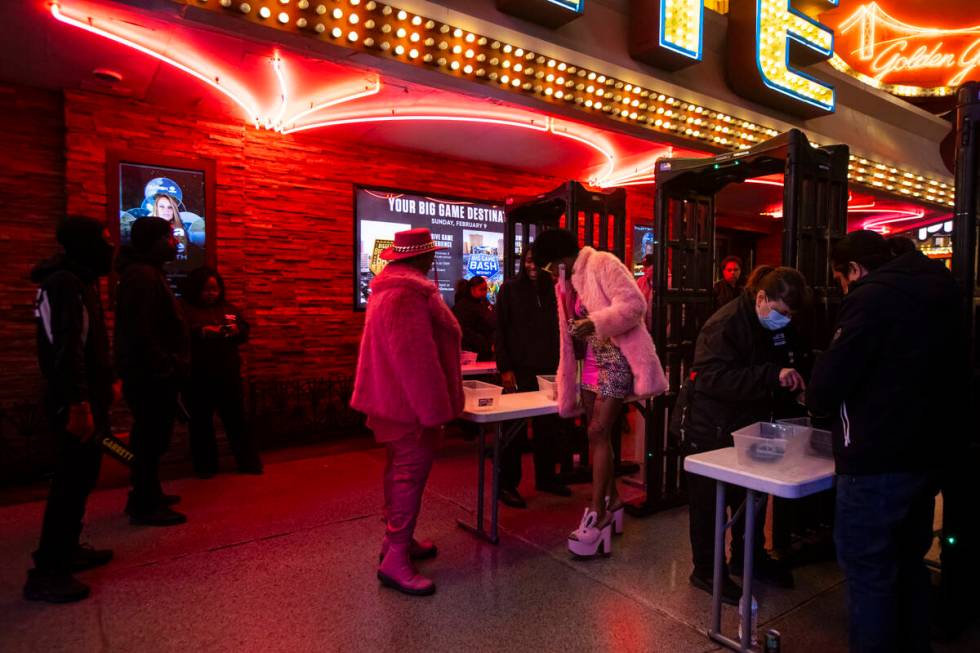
(734, 379)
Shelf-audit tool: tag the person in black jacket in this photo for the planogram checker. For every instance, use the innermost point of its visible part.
(73, 353)
(730, 286)
(475, 316)
(217, 330)
(151, 358)
(738, 377)
(527, 345)
(892, 361)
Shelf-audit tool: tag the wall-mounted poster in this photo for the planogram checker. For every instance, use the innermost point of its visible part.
(473, 232)
(179, 191)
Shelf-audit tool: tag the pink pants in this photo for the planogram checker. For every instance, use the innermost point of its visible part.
(409, 461)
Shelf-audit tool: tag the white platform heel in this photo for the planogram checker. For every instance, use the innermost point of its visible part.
(588, 540)
(617, 514)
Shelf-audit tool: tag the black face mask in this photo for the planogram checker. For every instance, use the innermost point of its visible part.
(95, 257)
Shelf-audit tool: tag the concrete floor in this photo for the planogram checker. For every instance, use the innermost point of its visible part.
(285, 562)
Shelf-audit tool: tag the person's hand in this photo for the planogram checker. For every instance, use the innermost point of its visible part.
(212, 331)
(509, 381)
(791, 380)
(80, 422)
(582, 328)
(116, 390)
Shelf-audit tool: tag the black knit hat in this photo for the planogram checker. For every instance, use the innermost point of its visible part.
(868, 249)
(554, 244)
(147, 231)
(78, 234)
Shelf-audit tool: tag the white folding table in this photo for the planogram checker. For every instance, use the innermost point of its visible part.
(811, 475)
(517, 406)
(484, 368)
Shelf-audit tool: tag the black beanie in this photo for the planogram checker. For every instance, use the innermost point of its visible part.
(867, 248)
(77, 234)
(147, 231)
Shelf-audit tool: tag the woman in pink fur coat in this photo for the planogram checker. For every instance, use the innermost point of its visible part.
(409, 385)
(602, 311)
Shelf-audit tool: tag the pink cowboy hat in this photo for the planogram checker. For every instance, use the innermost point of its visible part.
(409, 244)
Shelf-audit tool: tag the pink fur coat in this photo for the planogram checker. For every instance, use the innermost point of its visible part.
(616, 307)
(408, 370)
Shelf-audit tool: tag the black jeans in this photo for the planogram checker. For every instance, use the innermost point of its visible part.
(225, 395)
(76, 472)
(547, 442)
(883, 531)
(153, 404)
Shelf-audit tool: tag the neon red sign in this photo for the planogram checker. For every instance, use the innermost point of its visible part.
(902, 48)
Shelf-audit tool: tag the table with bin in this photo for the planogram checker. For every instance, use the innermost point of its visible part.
(486, 404)
(788, 459)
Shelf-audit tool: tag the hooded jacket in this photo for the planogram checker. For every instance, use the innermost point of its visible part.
(734, 378)
(151, 341)
(527, 325)
(616, 308)
(72, 341)
(892, 368)
(478, 321)
(408, 368)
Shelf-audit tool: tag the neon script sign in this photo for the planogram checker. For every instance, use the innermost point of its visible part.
(890, 51)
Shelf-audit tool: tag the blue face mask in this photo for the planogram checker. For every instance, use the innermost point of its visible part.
(774, 321)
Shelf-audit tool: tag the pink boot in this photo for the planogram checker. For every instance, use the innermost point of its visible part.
(416, 551)
(398, 572)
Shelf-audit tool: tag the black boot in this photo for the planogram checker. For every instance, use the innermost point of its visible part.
(54, 587)
(87, 557)
(730, 591)
(159, 516)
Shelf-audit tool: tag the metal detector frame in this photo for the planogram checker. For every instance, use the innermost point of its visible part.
(815, 218)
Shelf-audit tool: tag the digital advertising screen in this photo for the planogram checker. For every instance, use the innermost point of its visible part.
(176, 195)
(473, 232)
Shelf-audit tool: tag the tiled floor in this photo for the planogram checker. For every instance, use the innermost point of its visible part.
(285, 562)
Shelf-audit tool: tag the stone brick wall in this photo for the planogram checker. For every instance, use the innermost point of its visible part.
(32, 197)
(284, 209)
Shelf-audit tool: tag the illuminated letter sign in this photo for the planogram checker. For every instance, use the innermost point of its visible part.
(668, 34)
(766, 39)
(550, 13)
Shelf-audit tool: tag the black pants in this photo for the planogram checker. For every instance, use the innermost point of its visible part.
(701, 499)
(154, 408)
(76, 472)
(206, 395)
(547, 442)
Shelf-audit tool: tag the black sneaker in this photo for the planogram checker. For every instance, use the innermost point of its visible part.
(511, 497)
(162, 516)
(87, 557)
(767, 570)
(554, 488)
(730, 591)
(54, 587)
(253, 470)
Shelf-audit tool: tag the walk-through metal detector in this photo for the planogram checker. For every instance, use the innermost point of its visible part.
(815, 218)
(960, 536)
(598, 217)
